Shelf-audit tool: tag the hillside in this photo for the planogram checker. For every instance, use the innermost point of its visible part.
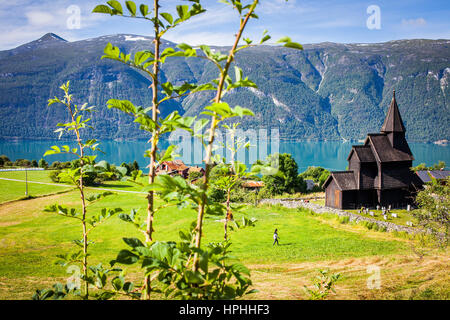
(328, 91)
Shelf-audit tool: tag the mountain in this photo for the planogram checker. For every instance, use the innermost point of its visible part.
(327, 91)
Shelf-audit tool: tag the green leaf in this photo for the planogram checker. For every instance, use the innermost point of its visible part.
(144, 9)
(128, 286)
(102, 9)
(55, 150)
(293, 45)
(289, 44)
(122, 171)
(167, 88)
(118, 283)
(284, 39)
(124, 105)
(265, 38)
(142, 56)
(146, 122)
(111, 52)
(183, 12)
(133, 242)
(203, 262)
(160, 250)
(237, 73)
(221, 108)
(168, 17)
(194, 277)
(131, 6)
(126, 257)
(168, 154)
(116, 5)
(242, 111)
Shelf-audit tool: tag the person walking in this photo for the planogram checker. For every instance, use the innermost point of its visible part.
(275, 237)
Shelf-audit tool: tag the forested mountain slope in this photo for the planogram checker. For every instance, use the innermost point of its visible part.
(327, 91)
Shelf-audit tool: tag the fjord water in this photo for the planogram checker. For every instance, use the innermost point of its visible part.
(328, 154)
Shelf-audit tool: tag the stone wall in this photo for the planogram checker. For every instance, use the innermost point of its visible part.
(322, 209)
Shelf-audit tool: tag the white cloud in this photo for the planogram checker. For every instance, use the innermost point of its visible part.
(39, 18)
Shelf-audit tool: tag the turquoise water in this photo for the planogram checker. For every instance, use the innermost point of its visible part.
(328, 154)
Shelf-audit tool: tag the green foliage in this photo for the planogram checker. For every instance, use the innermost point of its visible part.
(4, 158)
(422, 166)
(216, 278)
(43, 164)
(323, 284)
(318, 174)
(54, 175)
(22, 163)
(433, 213)
(286, 179)
(80, 172)
(182, 268)
(368, 224)
(193, 175)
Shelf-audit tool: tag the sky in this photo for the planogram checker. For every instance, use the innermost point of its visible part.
(304, 21)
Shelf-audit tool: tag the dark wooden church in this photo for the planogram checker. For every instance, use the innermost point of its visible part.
(379, 170)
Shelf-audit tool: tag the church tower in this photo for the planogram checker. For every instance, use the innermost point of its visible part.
(394, 129)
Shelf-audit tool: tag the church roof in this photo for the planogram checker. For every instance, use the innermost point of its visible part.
(393, 121)
(344, 179)
(364, 153)
(383, 149)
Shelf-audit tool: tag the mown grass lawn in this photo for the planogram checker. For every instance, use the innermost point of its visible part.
(31, 238)
(14, 190)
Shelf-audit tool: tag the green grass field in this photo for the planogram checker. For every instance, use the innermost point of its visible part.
(14, 190)
(30, 239)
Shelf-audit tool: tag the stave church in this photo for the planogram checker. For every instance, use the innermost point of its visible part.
(378, 171)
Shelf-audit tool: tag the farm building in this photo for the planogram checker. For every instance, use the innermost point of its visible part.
(172, 168)
(177, 167)
(379, 170)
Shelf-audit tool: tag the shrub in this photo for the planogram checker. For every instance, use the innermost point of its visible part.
(127, 166)
(195, 175)
(323, 284)
(54, 175)
(22, 163)
(55, 165)
(217, 195)
(242, 195)
(4, 158)
(43, 164)
(91, 178)
(286, 179)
